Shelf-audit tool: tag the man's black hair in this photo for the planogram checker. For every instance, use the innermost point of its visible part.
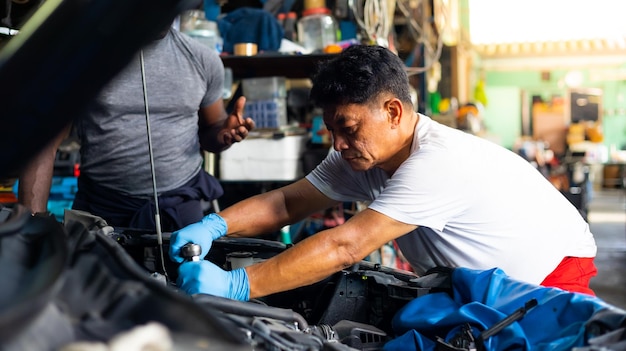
(358, 74)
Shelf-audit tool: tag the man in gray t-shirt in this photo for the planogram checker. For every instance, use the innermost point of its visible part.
(184, 83)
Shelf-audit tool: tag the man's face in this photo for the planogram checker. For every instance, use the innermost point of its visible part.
(362, 133)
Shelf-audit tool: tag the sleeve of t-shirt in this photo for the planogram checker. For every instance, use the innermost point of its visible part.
(335, 179)
(215, 81)
(212, 68)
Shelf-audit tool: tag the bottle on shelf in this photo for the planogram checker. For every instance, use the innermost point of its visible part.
(317, 28)
(281, 18)
(289, 26)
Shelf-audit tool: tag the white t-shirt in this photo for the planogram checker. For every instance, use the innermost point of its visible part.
(477, 205)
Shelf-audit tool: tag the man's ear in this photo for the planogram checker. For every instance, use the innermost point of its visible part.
(394, 110)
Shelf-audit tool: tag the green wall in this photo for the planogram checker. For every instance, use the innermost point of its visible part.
(502, 114)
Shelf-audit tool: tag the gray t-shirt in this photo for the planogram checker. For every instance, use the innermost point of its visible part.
(182, 75)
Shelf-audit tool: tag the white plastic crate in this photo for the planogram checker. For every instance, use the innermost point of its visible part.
(264, 159)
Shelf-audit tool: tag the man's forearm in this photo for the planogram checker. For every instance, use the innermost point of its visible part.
(36, 178)
(35, 182)
(308, 262)
(262, 214)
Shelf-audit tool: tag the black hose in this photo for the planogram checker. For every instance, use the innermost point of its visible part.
(251, 309)
(274, 340)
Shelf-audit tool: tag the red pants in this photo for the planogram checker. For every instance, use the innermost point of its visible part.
(573, 274)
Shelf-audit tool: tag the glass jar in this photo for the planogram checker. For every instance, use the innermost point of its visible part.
(317, 29)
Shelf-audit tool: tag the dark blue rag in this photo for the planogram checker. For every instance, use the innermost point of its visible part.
(250, 25)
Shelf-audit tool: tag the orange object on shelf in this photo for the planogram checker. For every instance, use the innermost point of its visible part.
(594, 132)
(332, 49)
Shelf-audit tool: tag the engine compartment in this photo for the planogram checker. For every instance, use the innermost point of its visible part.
(352, 308)
(84, 281)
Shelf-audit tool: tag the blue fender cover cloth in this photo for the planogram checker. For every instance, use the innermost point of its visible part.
(250, 25)
(560, 321)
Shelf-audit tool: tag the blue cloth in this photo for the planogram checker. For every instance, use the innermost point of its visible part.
(484, 298)
(250, 25)
(212, 10)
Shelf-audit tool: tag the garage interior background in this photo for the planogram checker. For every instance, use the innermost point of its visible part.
(545, 79)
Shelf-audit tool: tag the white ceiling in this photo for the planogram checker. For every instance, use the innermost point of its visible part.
(504, 28)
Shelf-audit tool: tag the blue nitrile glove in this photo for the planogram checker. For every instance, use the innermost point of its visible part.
(210, 228)
(204, 277)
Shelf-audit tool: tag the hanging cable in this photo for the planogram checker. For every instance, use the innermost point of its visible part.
(157, 216)
(422, 37)
(374, 20)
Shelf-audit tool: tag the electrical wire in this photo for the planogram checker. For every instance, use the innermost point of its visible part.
(374, 19)
(424, 38)
(157, 216)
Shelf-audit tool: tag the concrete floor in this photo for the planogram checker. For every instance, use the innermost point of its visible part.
(607, 219)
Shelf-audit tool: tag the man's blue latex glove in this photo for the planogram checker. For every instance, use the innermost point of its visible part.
(210, 228)
(204, 277)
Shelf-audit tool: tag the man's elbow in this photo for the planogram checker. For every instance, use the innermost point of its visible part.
(349, 255)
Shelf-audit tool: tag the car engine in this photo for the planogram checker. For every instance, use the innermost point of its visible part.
(351, 309)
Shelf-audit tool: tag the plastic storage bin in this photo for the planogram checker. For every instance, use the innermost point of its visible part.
(266, 101)
(267, 114)
(264, 88)
(264, 159)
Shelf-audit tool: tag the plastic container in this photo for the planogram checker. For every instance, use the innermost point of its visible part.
(267, 114)
(264, 159)
(194, 24)
(280, 18)
(316, 29)
(207, 37)
(266, 101)
(290, 26)
(264, 88)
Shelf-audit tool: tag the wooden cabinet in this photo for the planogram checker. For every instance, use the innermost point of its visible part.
(549, 124)
(614, 175)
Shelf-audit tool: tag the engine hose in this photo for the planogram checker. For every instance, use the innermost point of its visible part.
(325, 331)
(275, 340)
(252, 310)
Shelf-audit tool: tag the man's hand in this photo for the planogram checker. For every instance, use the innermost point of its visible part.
(210, 228)
(236, 127)
(203, 277)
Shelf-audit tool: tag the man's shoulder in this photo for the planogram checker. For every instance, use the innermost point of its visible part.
(189, 42)
(193, 47)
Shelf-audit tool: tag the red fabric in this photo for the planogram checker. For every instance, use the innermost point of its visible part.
(573, 274)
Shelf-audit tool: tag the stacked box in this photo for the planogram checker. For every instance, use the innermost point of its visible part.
(266, 101)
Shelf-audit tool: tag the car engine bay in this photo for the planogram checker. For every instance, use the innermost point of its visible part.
(84, 281)
(353, 307)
